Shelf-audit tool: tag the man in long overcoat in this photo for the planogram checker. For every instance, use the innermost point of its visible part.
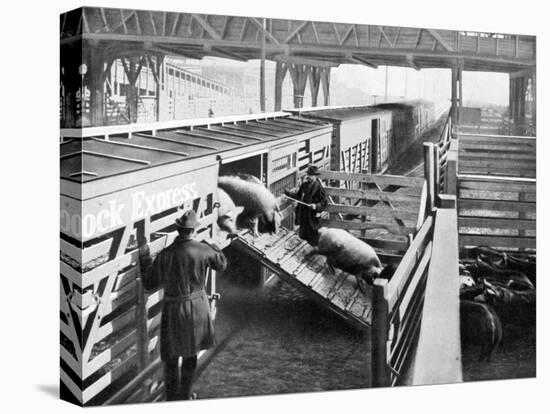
(186, 324)
(312, 193)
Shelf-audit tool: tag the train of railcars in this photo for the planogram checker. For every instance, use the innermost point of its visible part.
(368, 138)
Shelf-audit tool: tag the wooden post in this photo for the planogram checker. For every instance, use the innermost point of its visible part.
(141, 319)
(280, 72)
(454, 109)
(534, 95)
(262, 69)
(460, 100)
(513, 100)
(379, 339)
(363, 186)
(452, 169)
(429, 174)
(437, 177)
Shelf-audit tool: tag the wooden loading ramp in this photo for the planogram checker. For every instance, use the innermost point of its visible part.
(286, 255)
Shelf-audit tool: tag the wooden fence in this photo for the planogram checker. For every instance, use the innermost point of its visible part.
(109, 327)
(494, 180)
(392, 203)
(404, 344)
(401, 339)
(437, 359)
(497, 211)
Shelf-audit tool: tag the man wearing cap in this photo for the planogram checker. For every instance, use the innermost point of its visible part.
(186, 324)
(313, 195)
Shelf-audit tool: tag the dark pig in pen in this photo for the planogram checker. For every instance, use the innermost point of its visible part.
(480, 325)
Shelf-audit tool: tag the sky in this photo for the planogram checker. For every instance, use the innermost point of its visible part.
(431, 84)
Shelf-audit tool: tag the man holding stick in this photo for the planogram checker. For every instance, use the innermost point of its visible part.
(311, 200)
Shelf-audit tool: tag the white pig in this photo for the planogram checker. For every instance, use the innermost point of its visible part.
(227, 212)
(257, 200)
(346, 252)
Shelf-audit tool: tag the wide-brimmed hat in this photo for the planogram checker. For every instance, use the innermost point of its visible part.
(312, 170)
(188, 220)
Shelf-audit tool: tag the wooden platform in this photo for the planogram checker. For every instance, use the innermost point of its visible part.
(286, 255)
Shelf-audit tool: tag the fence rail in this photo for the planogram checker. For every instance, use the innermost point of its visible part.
(497, 211)
(511, 156)
(392, 203)
(397, 310)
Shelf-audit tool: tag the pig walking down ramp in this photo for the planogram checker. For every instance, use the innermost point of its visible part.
(290, 258)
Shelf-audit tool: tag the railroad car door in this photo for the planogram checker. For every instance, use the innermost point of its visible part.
(375, 142)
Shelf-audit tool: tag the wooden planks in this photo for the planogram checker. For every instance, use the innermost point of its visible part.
(441, 302)
(497, 212)
(393, 203)
(512, 156)
(291, 259)
(378, 179)
(467, 240)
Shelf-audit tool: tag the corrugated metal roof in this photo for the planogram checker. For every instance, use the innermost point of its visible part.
(87, 159)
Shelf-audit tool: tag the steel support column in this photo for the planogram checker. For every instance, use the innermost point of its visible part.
(314, 82)
(521, 99)
(299, 75)
(96, 76)
(325, 84)
(262, 70)
(157, 70)
(71, 85)
(511, 98)
(280, 72)
(132, 67)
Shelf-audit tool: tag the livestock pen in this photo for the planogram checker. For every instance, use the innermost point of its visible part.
(123, 186)
(494, 180)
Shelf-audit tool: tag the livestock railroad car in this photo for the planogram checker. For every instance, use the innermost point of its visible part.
(123, 186)
(368, 138)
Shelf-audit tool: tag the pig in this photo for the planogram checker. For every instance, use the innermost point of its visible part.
(502, 260)
(246, 220)
(480, 325)
(466, 281)
(227, 212)
(511, 278)
(258, 202)
(348, 253)
(247, 177)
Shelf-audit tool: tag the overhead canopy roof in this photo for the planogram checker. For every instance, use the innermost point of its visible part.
(342, 113)
(123, 32)
(92, 158)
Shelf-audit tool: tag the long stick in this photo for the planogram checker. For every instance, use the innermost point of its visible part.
(298, 201)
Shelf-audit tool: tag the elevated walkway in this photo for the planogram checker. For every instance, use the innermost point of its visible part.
(288, 256)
